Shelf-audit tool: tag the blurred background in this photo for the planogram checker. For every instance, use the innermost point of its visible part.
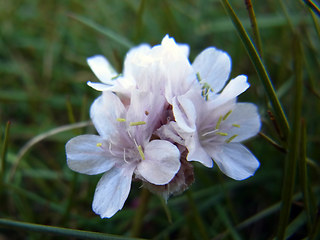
(43, 75)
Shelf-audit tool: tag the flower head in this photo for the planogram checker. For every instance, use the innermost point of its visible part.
(157, 117)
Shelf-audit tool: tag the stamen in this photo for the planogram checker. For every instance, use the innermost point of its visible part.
(207, 133)
(141, 152)
(124, 155)
(227, 115)
(218, 123)
(231, 138)
(198, 76)
(99, 144)
(146, 113)
(222, 133)
(236, 125)
(137, 123)
(121, 119)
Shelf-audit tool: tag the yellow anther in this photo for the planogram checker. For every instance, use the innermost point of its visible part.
(227, 115)
(99, 144)
(121, 119)
(236, 125)
(231, 138)
(137, 123)
(141, 152)
(198, 76)
(222, 133)
(218, 123)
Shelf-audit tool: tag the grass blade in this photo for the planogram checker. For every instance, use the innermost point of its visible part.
(42, 136)
(260, 68)
(4, 151)
(105, 31)
(294, 146)
(254, 26)
(79, 234)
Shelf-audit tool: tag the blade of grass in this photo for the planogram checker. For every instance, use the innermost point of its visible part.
(313, 6)
(295, 225)
(105, 31)
(196, 216)
(140, 212)
(304, 181)
(260, 68)
(4, 152)
(227, 221)
(41, 137)
(59, 231)
(294, 145)
(260, 215)
(254, 26)
(286, 14)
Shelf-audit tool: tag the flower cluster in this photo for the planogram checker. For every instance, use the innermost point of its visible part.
(157, 116)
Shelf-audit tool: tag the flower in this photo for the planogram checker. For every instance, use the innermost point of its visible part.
(157, 117)
(164, 69)
(123, 148)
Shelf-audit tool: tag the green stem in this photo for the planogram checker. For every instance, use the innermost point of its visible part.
(260, 68)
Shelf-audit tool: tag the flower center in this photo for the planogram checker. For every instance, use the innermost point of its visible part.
(139, 147)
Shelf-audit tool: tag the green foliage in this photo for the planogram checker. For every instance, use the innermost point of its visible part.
(43, 94)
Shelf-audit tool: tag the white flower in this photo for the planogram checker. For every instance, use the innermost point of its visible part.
(164, 69)
(160, 113)
(123, 148)
(213, 129)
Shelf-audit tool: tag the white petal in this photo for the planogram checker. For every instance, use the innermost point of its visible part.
(136, 58)
(214, 67)
(99, 86)
(112, 191)
(235, 160)
(162, 162)
(184, 113)
(196, 152)
(246, 116)
(234, 88)
(102, 68)
(85, 155)
(104, 113)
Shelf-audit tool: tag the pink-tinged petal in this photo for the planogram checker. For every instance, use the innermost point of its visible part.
(146, 107)
(102, 68)
(85, 154)
(162, 162)
(197, 152)
(234, 160)
(244, 121)
(112, 191)
(170, 132)
(214, 67)
(104, 113)
(233, 89)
